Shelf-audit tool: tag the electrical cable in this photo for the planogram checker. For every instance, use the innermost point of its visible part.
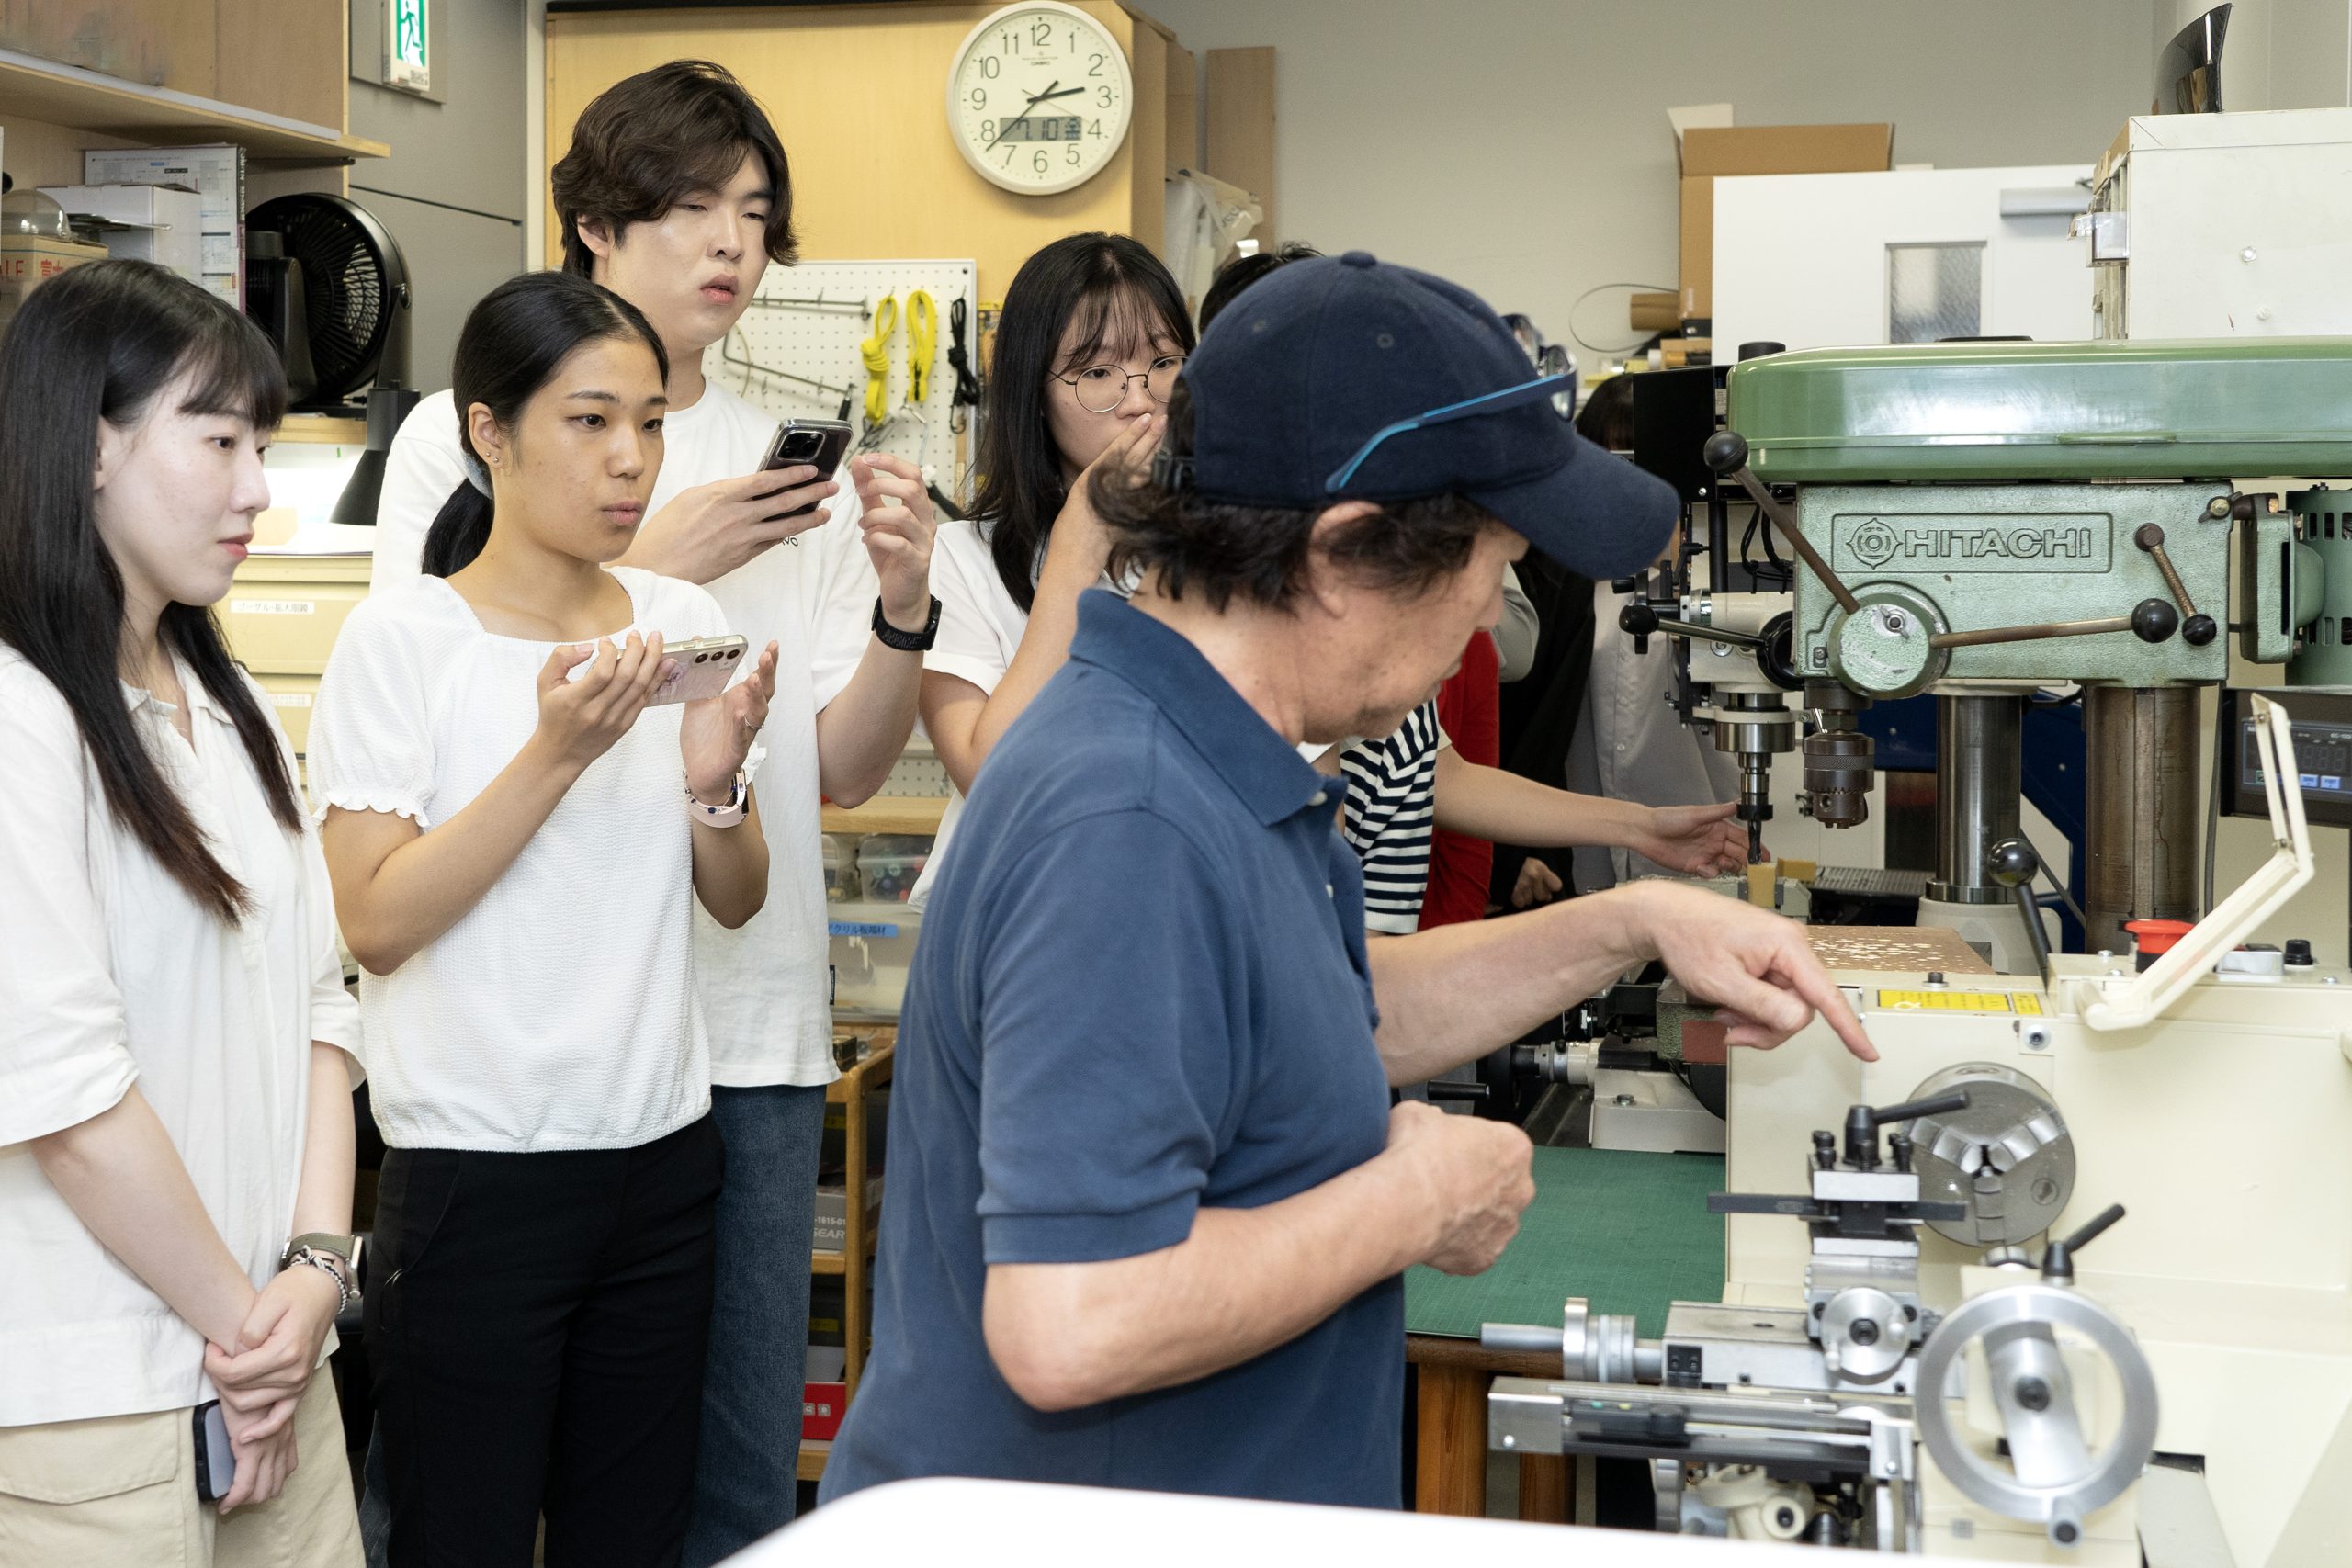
(1579, 338)
(967, 386)
(875, 352)
(923, 345)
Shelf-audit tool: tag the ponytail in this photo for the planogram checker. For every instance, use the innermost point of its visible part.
(511, 345)
(459, 531)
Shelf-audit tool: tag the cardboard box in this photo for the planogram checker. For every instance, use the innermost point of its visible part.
(26, 261)
(1711, 151)
(151, 223)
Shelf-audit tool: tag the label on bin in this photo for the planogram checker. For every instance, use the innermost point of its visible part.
(861, 928)
(2020, 1002)
(273, 607)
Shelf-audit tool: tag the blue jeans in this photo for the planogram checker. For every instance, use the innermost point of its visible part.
(748, 1464)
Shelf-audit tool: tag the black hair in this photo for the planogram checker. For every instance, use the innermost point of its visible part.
(647, 142)
(1260, 554)
(99, 345)
(512, 343)
(1111, 285)
(1607, 418)
(1242, 271)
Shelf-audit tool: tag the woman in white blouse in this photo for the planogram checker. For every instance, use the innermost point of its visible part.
(517, 837)
(174, 1104)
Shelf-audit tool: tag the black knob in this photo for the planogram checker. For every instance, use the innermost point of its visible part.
(2299, 951)
(1626, 584)
(1726, 452)
(2153, 620)
(1748, 351)
(2012, 863)
(2199, 630)
(1638, 620)
(2058, 1263)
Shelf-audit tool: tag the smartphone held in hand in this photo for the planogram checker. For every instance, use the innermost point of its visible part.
(704, 666)
(215, 1462)
(819, 443)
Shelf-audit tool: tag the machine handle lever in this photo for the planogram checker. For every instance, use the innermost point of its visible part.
(2013, 865)
(2058, 1262)
(1726, 452)
(1912, 1109)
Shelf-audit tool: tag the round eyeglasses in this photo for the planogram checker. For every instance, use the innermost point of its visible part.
(1102, 387)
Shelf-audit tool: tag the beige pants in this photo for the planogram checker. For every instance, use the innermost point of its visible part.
(121, 1490)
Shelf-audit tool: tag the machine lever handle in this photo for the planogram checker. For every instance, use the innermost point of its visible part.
(2013, 865)
(1912, 1109)
(1726, 452)
(2058, 1263)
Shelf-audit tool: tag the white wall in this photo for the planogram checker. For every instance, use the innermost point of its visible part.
(1520, 146)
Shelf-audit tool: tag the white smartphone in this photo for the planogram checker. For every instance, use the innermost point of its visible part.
(704, 666)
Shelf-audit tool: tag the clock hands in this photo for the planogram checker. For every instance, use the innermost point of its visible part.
(1050, 93)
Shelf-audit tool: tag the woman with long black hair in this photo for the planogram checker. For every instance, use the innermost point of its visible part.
(1092, 336)
(176, 1134)
(518, 836)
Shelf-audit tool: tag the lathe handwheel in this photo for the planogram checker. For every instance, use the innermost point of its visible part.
(2060, 1508)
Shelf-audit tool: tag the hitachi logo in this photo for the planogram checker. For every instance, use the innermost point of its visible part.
(1973, 543)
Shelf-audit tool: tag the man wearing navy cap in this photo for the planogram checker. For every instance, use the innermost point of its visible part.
(1149, 1202)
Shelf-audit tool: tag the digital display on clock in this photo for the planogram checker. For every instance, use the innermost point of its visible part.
(1042, 128)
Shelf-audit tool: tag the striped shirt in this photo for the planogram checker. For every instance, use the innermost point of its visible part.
(1392, 793)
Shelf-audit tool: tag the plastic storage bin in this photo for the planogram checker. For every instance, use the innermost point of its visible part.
(887, 864)
(840, 868)
(873, 946)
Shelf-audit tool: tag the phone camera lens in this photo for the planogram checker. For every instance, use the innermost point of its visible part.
(702, 658)
(734, 653)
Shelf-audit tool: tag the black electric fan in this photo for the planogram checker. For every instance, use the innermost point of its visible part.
(327, 283)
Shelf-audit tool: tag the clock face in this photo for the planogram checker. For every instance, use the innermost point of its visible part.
(1038, 97)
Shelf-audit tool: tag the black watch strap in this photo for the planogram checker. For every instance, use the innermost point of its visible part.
(907, 642)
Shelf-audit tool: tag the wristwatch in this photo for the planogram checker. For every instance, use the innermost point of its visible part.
(907, 642)
(337, 1257)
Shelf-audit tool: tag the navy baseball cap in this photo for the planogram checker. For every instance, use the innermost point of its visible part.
(1346, 378)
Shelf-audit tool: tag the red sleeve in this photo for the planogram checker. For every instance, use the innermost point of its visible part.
(1470, 708)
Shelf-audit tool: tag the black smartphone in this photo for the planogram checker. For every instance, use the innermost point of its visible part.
(819, 442)
(215, 1462)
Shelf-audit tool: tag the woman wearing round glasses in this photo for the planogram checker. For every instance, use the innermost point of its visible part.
(1093, 334)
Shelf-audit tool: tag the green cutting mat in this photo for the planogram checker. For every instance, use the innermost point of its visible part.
(1630, 1232)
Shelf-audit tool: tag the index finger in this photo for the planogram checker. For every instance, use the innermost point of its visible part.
(1809, 980)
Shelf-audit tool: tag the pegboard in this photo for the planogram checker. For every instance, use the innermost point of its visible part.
(796, 354)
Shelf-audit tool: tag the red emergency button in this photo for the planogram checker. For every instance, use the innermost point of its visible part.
(2154, 938)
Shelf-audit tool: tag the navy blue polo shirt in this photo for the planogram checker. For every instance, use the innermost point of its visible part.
(1141, 988)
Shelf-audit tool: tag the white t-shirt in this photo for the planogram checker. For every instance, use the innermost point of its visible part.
(560, 1012)
(766, 986)
(979, 631)
(111, 974)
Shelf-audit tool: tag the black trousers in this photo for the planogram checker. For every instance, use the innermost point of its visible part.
(536, 1334)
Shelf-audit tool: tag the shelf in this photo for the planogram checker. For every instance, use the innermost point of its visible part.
(86, 100)
(323, 430)
(820, 1262)
(914, 813)
(813, 1455)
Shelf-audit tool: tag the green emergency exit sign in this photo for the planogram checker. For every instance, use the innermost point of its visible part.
(406, 61)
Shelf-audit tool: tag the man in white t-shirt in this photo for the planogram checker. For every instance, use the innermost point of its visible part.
(675, 195)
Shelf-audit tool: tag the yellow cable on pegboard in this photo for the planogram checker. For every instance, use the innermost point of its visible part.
(923, 344)
(876, 351)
